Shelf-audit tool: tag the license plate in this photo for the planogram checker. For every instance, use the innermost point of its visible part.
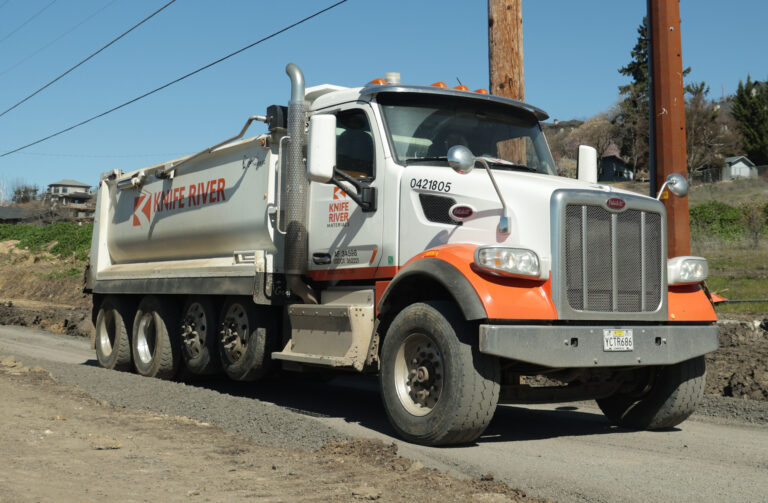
(618, 340)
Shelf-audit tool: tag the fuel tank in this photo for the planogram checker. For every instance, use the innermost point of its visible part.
(210, 208)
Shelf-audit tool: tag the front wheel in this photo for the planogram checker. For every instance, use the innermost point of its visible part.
(668, 397)
(436, 386)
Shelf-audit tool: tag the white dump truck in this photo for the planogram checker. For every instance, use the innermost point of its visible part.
(355, 235)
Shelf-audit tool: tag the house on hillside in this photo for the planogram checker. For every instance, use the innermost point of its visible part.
(74, 199)
(613, 169)
(738, 167)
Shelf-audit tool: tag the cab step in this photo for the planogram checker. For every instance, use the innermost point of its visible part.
(336, 333)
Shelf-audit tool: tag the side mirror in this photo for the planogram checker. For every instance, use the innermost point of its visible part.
(676, 183)
(321, 149)
(586, 169)
(461, 159)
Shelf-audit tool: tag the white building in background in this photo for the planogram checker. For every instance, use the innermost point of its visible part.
(738, 167)
(63, 188)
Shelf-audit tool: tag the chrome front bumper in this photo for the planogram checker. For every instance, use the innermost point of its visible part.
(582, 346)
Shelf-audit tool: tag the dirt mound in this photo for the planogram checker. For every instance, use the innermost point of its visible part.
(740, 367)
(382, 455)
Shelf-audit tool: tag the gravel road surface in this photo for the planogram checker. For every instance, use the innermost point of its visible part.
(568, 452)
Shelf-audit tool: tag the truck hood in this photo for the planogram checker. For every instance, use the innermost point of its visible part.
(428, 192)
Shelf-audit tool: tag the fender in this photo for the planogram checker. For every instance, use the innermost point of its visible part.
(689, 303)
(480, 295)
(445, 274)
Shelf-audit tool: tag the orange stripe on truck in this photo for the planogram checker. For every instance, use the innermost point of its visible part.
(502, 298)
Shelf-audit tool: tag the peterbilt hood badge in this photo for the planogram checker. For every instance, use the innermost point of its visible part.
(615, 204)
(461, 212)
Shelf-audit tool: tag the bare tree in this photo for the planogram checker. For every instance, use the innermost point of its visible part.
(709, 139)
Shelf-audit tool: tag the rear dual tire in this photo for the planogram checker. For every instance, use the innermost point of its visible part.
(247, 338)
(113, 333)
(155, 352)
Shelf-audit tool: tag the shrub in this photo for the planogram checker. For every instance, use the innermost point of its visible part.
(718, 219)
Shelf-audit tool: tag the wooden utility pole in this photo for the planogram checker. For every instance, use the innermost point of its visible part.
(505, 62)
(505, 48)
(668, 116)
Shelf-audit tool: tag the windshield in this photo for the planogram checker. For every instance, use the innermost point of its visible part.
(422, 127)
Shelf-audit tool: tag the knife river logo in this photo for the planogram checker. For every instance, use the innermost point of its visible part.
(148, 204)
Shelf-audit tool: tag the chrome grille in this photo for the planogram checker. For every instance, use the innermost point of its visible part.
(612, 262)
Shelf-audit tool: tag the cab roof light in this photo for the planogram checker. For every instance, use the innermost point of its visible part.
(440, 84)
(379, 82)
(461, 88)
(481, 91)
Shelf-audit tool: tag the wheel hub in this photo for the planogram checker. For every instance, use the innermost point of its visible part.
(418, 372)
(191, 336)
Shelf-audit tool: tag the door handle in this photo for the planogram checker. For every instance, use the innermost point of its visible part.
(321, 258)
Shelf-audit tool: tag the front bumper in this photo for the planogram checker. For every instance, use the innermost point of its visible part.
(582, 346)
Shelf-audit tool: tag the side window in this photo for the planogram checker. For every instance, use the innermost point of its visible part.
(354, 144)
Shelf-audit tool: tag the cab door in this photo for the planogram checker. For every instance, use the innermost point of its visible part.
(344, 241)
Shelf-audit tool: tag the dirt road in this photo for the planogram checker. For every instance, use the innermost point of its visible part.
(569, 453)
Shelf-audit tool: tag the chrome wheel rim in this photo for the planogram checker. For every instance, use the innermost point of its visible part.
(146, 338)
(234, 334)
(194, 329)
(418, 374)
(107, 332)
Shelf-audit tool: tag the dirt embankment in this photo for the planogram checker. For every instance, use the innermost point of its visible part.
(41, 291)
(60, 444)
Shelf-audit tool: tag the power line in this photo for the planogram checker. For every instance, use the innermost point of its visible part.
(134, 100)
(25, 23)
(91, 56)
(30, 56)
(105, 156)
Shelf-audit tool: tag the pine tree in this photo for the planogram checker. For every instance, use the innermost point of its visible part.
(750, 109)
(632, 120)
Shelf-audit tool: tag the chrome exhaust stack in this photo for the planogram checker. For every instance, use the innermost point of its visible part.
(296, 190)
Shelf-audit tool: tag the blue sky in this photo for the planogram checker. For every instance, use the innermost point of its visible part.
(572, 52)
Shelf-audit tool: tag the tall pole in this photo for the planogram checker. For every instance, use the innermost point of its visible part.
(668, 116)
(505, 48)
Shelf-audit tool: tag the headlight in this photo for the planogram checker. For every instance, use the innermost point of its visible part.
(516, 262)
(686, 270)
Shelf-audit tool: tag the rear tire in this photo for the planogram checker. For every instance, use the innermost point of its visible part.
(246, 336)
(113, 329)
(674, 393)
(436, 386)
(199, 336)
(155, 352)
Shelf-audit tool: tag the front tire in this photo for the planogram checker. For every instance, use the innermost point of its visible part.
(436, 386)
(155, 352)
(670, 397)
(113, 329)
